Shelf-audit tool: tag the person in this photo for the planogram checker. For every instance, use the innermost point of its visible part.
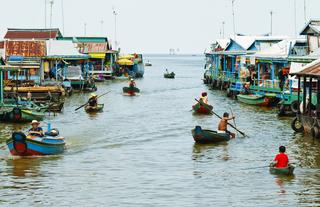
(204, 97)
(246, 88)
(93, 100)
(35, 129)
(132, 83)
(223, 124)
(29, 96)
(281, 160)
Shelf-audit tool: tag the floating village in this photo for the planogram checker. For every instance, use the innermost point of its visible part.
(271, 71)
(82, 121)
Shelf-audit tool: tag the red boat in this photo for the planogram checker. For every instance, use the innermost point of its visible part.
(202, 108)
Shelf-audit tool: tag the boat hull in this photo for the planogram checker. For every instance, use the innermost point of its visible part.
(202, 108)
(169, 75)
(202, 136)
(131, 91)
(282, 171)
(98, 108)
(254, 100)
(22, 115)
(20, 145)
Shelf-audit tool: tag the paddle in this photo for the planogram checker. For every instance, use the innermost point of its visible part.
(88, 101)
(212, 112)
(251, 168)
(234, 121)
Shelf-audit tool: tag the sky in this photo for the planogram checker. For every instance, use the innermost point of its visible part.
(155, 26)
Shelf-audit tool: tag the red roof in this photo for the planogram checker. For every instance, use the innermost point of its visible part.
(32, 34)
(1, 44)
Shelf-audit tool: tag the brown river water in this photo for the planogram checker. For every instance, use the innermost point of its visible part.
(140, 152)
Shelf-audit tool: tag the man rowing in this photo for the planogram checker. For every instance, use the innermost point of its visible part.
(223, 124)
(93, 100)
(35, 129)
(204, 97)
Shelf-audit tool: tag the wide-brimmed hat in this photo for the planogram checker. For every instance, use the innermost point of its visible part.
(35, 122)
(93, 95)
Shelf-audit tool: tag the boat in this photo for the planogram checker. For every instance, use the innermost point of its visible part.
(148, 64)
(130, 65)
(203, 136)
(132, 91)
(33, 145)
(19, 114)
(97, 108)
(258, 100)
(169, 75)
(281, 171)
(202, 108)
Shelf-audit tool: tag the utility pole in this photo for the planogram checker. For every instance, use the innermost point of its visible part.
(101, 22)
(51, 5)
(295, 18)
(223, 23)
(305, 11)
(62, 11)
(45, 14)
(85, 29)
(115, 29)
(234, 24)
(271, 14)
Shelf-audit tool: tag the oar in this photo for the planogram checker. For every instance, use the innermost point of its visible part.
(88, 101)
(212, 112)
(234, 121)
(251, 168)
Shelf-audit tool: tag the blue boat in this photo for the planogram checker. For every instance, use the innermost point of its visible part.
(33, 145)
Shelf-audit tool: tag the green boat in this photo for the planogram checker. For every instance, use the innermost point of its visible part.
(169, 75)
(90, 109)
(281, 171)
(16, 114)
(267, 99)
(203, 136)
(131, 90)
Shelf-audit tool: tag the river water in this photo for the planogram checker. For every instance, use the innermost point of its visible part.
(140, 152)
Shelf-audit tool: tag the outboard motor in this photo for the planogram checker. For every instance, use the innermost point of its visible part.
(19, 142)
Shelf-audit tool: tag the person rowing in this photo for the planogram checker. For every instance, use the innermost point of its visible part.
(204, 97)
(223, 124)
(93, 100)
(281, 160)
(132, 84)
(35, 129)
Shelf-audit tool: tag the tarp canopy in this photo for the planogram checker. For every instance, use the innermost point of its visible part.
(97, 55)
(63, 49)
(125, 62)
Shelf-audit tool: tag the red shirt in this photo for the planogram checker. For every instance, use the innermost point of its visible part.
(282, 159)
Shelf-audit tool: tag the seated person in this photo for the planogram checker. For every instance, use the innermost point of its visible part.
(35, 129)
(281, 160)
(204, 97)
(93, 100)
(223, 124)
(132, 83)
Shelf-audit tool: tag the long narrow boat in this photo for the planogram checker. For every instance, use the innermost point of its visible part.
(21, 145)
(90, 109)
(169, 75)
(252, 99)
(19, 114)
(202, 108)
(131, 91)
(203, 136)
(281, 171)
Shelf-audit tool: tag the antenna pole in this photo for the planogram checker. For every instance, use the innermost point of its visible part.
(51, 5)
(115, 29)
(305, 11)
(234, 25)
(295, 18)
(62, 11)
(223, 23)
(271, 13)
(102, 26)
(45, 14)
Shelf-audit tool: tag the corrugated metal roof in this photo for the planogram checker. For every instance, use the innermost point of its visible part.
(311, 28)
(32, 33)
(311, 69)
(1, 44)
(25, 48)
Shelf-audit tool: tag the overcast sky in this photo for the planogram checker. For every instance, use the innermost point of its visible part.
(154, 26)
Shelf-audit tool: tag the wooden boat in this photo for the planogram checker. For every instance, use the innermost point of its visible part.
(131, 91)
(148, 64)
(19, 114)
(281, 171)
(22, 145)
(252, 99)
(202, 108)
(97, 108)
(169, 75)
(203, 136)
